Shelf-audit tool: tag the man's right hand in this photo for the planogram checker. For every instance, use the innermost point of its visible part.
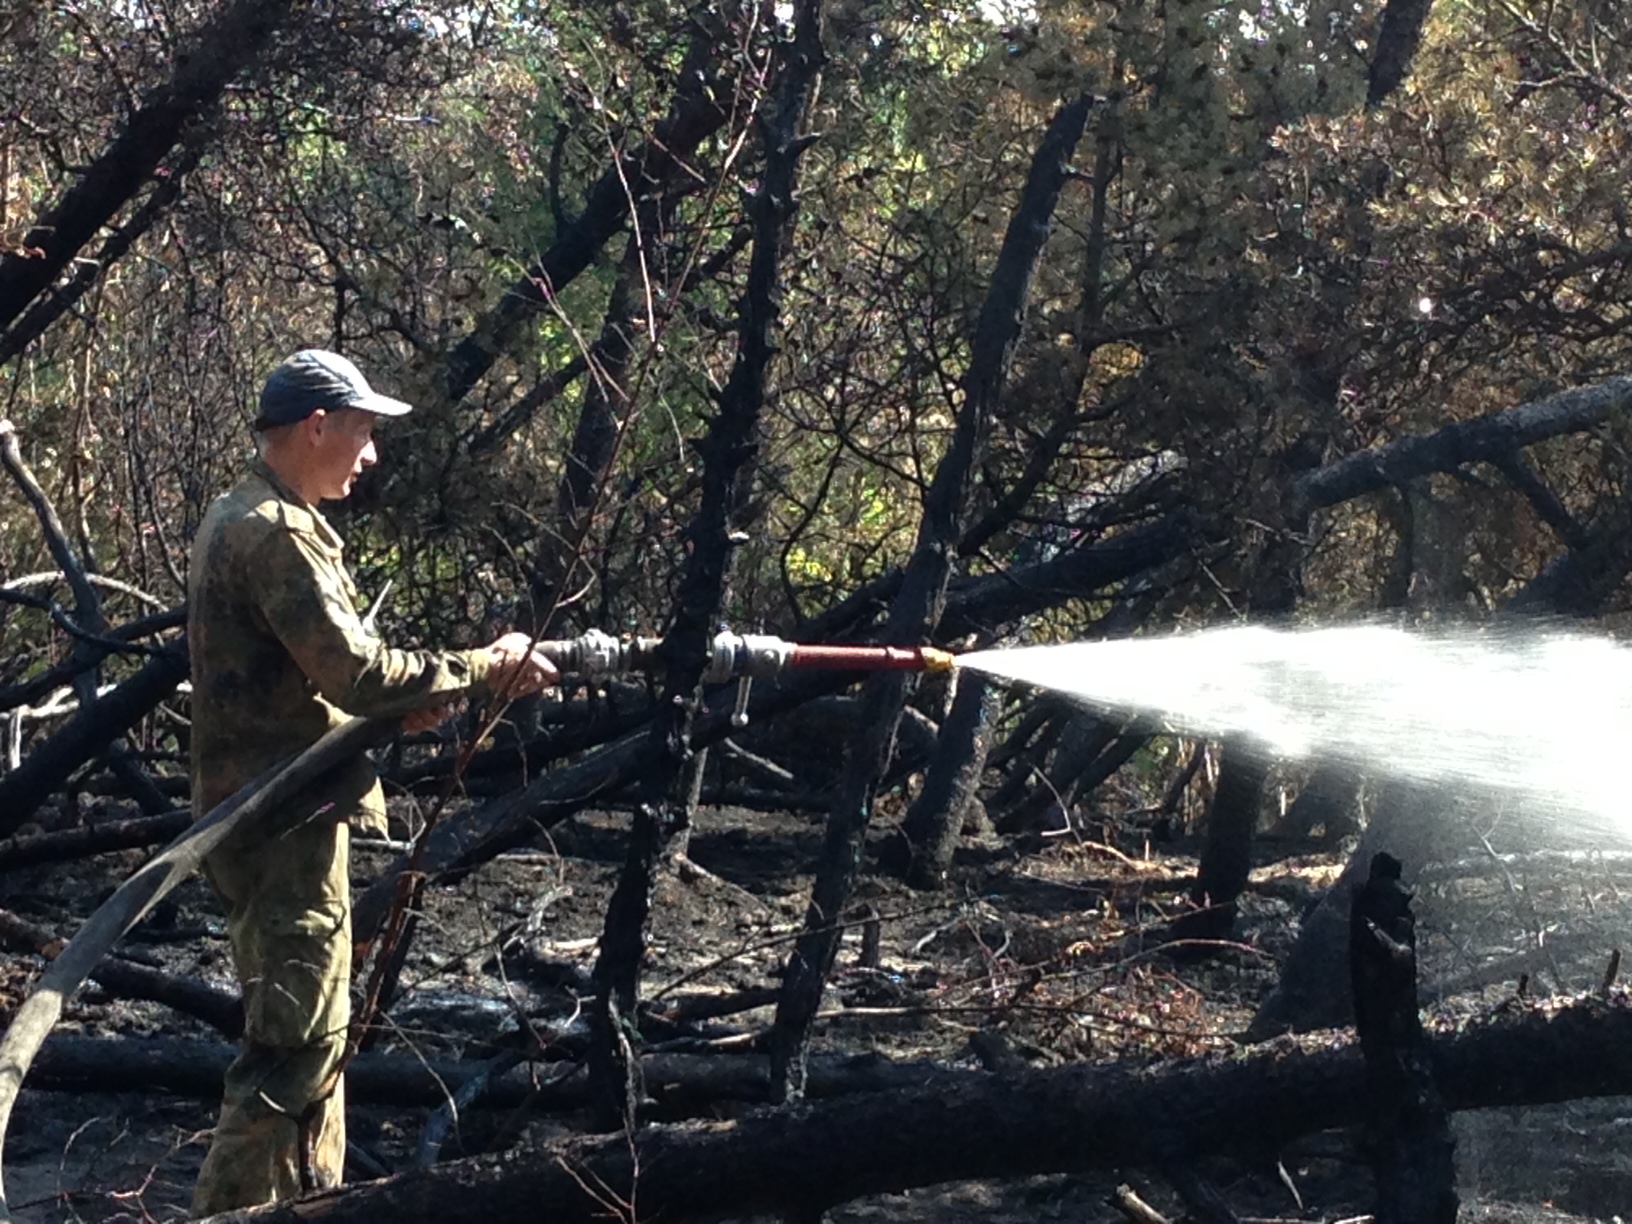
(517, 667)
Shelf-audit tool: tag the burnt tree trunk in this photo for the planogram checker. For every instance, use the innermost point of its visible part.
(1226, 855)
(595, 438)
(1275, 587)
(691, 792)
(937, 816)
(729, 453)
(1399, 33)
(684, 1085)
(1067, 416)
(1407, 1134)
(616, 1084)
(560, 574)
(1315, 990)
(917, 608)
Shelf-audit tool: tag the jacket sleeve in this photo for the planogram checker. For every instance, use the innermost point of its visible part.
(309, 608)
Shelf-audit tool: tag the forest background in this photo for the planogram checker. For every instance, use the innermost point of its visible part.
(840, 320)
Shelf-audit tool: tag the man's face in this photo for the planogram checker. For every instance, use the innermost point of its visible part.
(342, 446)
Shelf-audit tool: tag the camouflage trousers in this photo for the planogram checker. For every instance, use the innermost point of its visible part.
(289, 920)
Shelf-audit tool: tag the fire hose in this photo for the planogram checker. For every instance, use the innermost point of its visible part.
(732, 656)
(742, 657)
(737, 655)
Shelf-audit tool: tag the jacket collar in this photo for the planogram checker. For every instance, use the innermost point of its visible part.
(260, 468)
(263, 469)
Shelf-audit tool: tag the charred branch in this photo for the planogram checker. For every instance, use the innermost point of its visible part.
(88, 733)
(700, 110)
(47, 310)
(1542, 499)
(120, 638)
(90, 644)
(1089, 752)
(1488, 438)
(231, 42)
(1226, 856)
(65, 844)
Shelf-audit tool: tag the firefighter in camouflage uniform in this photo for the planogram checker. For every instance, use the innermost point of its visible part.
(280, 655)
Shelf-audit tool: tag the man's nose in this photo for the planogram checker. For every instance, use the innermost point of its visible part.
(370, 456)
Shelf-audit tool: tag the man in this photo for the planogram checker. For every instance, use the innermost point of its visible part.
(279, 656)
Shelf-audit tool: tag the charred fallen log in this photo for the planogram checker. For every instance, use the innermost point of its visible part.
(817, 1154)
(677, 1084)
(35, 848)
(221, 1009)
(71, 1063)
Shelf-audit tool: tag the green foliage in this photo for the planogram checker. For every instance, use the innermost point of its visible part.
(1245, 257)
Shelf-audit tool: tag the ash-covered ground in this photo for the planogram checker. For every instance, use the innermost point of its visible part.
(1039, 949)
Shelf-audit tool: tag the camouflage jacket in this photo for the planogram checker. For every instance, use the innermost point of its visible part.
(280, 654)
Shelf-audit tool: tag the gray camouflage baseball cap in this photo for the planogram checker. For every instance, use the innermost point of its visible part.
(316, 378)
